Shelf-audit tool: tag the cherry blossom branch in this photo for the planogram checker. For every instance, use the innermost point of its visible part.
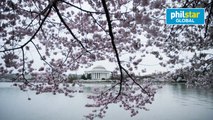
(97, 23)
(208, 19)
(70, 31)
(23, 66)
(42, 58)
(68, 53)
(113, 43)
(40, 26)
(78, 57)
(38, 13)
(187, 3)
(87, 11)
(136, 82)
(31, 21)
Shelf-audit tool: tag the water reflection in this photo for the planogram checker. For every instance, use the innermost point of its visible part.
(172, 102)
(191, 95)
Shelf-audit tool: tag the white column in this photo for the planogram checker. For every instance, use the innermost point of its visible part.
(95, 75)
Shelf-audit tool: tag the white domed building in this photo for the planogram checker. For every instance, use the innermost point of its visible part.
(99, 73)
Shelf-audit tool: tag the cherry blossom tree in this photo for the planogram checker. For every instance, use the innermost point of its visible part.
(68, 34)
(195, 41)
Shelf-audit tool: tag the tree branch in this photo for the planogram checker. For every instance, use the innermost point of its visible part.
(81, 8)
(208, 19)
(41, 55)
(97, 23)
(136, 82)
(113, 43)
(40, 26)
(23, 66)
(67, 27)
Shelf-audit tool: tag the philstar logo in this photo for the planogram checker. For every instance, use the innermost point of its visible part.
(185, 16)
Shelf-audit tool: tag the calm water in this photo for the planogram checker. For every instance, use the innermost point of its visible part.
(172, 102)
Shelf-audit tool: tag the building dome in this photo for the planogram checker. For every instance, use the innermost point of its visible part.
(99, 68)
